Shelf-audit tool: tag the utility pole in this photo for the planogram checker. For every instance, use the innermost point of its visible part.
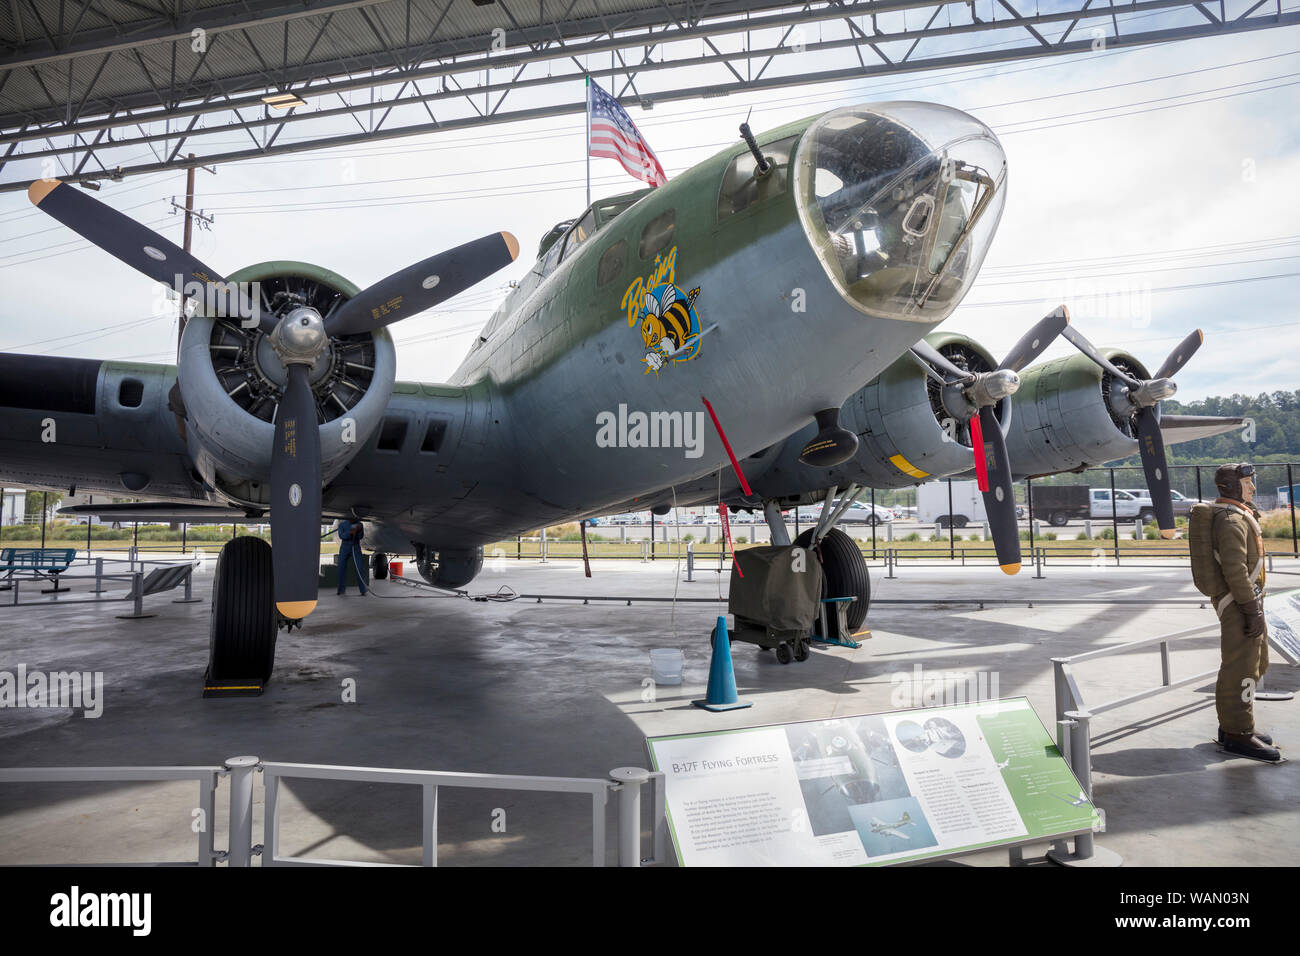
(190, 215)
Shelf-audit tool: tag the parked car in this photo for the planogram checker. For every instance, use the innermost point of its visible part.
(856, 513)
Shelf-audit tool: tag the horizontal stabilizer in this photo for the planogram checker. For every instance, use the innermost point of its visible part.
(1180, 428)
(161, 511)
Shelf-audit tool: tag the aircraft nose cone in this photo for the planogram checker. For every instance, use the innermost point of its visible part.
(900, 201)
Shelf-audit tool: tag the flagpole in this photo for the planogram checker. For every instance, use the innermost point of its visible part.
(588, 90)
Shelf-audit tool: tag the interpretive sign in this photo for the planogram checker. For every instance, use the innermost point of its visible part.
(868, 790)
(1282, 612)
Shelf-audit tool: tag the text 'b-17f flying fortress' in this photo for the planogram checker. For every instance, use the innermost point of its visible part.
(789, 287)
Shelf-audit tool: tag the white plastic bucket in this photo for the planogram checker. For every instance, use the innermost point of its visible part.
(666, 665)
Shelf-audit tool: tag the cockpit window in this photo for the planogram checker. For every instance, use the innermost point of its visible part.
(900, 201)
(579, 234)
(607, 209)
(742, 186)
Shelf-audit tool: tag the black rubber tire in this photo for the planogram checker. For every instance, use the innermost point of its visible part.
(379, 566)
(942, 521)
(802, 650)
(844, 574)
(1059, 519)
(244, 622)
(962, 521)
(783, 655)
(1147, 517)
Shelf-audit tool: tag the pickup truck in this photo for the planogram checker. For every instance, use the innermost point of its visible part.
(1182, 504)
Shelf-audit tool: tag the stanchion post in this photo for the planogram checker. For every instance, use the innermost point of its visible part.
(1290, 497)
(241, 809)
(1074, 736)
(629, 780)
(874, 522)
(1114, 514)
(99, 576)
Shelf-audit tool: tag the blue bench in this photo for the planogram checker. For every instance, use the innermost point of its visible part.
(41, 563)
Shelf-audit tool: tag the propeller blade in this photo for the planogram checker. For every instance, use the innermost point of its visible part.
(1087, 348)
(928, 353)
(1151, 445)
(1179, 356)
(1038, 338)
(296, 498)
(137, 245)
(423, 285)
(1000, 499)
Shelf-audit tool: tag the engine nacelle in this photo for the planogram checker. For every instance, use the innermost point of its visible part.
(1070, 413)
(234, 376)
(908, 426)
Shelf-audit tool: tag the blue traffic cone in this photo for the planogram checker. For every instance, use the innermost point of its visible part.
(721, 694)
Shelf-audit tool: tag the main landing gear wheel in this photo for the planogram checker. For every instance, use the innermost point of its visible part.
(379, 566)
(244, 621)
(844, 574)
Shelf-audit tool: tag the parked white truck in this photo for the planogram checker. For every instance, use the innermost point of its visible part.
(1050, 504)
(967, 504)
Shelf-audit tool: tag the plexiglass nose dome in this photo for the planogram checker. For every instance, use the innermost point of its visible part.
(900, 201)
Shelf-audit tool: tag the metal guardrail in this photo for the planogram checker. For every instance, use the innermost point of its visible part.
(1074, 723)
(1070, 698)
(165, 576)
(207, 778)
(625, 782)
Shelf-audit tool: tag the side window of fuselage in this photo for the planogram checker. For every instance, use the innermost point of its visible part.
(611, 263)
(657, 234)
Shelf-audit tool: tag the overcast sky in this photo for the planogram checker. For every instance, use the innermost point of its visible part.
(1152, 189)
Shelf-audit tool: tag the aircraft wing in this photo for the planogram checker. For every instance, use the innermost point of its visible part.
(1180, 428)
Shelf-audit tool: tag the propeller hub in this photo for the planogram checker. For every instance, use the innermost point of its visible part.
(299, 337)
(991, 387)
(1154, 390)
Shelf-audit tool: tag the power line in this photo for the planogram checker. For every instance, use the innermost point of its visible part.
(1166, 288)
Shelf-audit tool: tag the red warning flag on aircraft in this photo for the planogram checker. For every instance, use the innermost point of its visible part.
(611, 134)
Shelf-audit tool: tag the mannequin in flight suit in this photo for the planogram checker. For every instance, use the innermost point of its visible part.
(1239, 550)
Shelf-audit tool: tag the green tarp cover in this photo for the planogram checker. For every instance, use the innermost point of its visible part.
(782, 587)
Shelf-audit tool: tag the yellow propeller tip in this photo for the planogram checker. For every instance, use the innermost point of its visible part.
(295, 610)
(512, 244)
(42, 188)
(1010, 568)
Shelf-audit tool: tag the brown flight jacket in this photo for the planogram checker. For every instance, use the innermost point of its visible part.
(1239, 546)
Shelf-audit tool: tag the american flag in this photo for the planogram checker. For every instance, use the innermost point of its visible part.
(612, 135)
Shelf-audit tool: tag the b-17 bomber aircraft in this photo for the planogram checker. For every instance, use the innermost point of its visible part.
(894, 829)
(783, 294)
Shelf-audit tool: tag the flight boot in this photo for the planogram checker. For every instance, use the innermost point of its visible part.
(1259, 734)
(1249, 745)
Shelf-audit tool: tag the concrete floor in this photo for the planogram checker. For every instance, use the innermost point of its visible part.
(556, 688)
